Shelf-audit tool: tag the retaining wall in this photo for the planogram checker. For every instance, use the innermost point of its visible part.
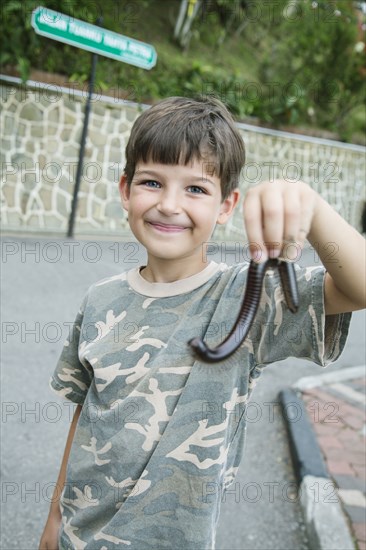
(41, 130)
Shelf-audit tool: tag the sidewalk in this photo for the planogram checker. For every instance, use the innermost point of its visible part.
(335, 406)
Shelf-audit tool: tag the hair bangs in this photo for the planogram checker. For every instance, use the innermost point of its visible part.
(176, 145)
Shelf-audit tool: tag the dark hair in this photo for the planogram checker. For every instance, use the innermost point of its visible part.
(178, 130)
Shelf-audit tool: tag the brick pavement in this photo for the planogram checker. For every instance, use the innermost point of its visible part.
(337, 413)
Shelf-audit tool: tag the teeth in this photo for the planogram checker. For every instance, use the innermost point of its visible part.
(168, 226)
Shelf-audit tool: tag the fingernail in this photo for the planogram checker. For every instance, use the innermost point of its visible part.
(261, 257)
(274, 253)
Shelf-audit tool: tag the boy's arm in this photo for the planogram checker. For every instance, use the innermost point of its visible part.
(49, 539)
(343, 253)
(280, 213)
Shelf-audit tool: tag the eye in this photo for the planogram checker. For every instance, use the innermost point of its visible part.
(151, 183)
(197, 190)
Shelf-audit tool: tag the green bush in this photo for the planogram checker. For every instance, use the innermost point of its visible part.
(317, 66)
(285, 67)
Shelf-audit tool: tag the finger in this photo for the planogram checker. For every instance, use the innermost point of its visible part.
(253, 226)
(291, 247)
(273, 220)
(306, 214)
(292, 210)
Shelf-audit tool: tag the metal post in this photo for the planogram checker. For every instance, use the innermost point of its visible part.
(70, 232)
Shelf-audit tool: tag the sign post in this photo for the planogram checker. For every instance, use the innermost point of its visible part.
(70, 231)
(99, 41)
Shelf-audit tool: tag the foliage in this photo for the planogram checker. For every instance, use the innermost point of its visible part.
(286, 62)
(21, 46)
(24, 49)
(315, 69)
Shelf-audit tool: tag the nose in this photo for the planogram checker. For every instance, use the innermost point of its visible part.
(169, 202)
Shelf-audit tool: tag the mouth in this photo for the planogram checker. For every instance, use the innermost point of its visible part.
(166, 228)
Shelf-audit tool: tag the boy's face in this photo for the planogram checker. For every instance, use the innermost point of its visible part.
(173, 209)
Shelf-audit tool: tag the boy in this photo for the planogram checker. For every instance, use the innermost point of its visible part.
(143, 451)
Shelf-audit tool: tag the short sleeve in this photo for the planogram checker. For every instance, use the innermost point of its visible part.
(71, 378)
(309, 333)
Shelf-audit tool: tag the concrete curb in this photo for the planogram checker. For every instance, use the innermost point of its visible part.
(326, 525)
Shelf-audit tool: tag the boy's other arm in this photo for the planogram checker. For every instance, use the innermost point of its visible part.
(280, 212)
(49, 539)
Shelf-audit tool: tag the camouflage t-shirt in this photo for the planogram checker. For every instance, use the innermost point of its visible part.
(161, 434)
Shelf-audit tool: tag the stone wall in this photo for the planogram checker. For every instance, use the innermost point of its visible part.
(41, 130)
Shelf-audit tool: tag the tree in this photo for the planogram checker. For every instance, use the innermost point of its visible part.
(315, 68)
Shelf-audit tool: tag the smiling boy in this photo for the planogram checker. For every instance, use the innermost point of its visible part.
(141, 472)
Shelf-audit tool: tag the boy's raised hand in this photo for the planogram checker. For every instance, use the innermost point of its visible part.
(280, 215)
(276, 214)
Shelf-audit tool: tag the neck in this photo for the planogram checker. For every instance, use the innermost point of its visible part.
(167, 271)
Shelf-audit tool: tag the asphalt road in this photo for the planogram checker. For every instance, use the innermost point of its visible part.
(43, 282)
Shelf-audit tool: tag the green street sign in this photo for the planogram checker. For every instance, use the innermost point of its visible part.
(75, 32)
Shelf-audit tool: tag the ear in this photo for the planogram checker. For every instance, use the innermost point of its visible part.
(227, 206)
(124, 192)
